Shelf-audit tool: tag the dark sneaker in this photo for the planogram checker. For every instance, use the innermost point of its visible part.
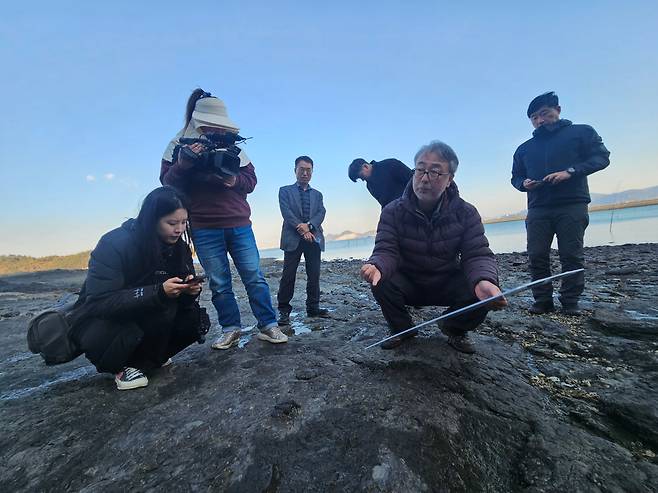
(538, 308)
(130, 378)
(461, 344)
(571, 309)
(396, 341)
(228, 340)
(319, 313)
(284, 318)
(273, 335)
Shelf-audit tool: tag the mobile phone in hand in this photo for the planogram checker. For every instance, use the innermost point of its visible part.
(197, 279)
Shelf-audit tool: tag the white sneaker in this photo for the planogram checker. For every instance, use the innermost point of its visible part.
(130, 378)
(273, 335)
(167, 363)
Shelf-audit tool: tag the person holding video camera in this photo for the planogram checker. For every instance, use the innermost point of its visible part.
(138, 305)
(204, 162)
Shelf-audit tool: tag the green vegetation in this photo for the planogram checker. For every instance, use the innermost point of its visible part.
(11, 264)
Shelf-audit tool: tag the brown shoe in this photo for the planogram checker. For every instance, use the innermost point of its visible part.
(461, 344)
(318, 313)
(396, 341)
(228, 340)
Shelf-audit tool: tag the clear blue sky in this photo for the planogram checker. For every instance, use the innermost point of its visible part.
(97, 90)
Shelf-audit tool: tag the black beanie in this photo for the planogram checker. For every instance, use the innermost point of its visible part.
(547, 99)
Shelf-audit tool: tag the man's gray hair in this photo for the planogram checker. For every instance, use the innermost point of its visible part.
(443, 151)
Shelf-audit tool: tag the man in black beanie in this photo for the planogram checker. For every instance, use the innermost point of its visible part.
(552, 168)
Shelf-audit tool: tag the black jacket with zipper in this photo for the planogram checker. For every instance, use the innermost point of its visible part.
(557, 147)
(121, 283)
(123, 317)
(388, 180)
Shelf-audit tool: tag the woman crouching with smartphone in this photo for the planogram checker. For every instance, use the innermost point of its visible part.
(138, 305)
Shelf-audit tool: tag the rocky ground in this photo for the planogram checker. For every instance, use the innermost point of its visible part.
(549, 403)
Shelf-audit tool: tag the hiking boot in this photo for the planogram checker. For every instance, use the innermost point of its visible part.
(538, 308)
(396, 341)
(130, 378)
(273, 335)
(571, 309)
(228, 340)
(461, 344)
(318, 313)
(284, 318)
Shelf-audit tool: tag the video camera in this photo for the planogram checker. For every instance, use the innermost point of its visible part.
(221, 156)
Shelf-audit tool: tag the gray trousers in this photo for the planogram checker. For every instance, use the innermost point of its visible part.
(568, 223)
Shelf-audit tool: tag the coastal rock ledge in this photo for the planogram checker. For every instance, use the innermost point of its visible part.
(548, 404)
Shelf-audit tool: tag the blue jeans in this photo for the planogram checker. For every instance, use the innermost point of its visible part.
(212, 246)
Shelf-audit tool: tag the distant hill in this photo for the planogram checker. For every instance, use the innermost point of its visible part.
(600, 201)
(10, 264)
(348, 235)
(625, 196)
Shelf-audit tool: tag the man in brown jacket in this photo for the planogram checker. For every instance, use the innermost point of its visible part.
(430, 249)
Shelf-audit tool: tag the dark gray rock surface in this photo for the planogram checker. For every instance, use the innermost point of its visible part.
(549, 403)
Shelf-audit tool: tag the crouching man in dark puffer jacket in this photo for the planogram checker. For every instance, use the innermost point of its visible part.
(430, 249)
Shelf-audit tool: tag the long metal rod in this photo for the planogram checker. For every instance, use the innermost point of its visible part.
(478, 304)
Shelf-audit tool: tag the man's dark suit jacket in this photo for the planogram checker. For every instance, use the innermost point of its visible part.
(291, 209)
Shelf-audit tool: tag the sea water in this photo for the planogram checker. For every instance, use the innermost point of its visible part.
(612, 227)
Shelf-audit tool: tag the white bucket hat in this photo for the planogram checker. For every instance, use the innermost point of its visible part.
(211, 111)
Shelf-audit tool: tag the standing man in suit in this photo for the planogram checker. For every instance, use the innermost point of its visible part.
(303, 213)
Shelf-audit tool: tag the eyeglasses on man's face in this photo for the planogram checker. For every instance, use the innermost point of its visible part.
(433, 173)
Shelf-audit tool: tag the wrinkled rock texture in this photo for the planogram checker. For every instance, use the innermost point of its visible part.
(549, 403)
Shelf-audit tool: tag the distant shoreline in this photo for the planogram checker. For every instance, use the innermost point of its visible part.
(593, 208)
(12, 264)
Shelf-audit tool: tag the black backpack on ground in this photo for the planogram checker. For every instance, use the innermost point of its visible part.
(49, 333)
